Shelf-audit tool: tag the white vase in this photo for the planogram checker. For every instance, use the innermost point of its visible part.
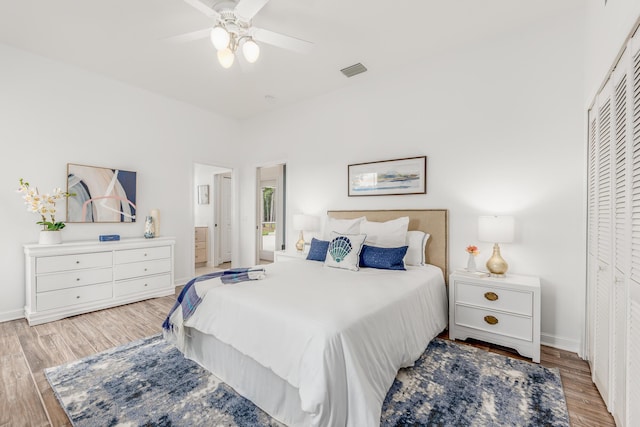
(50, 237)
(471, 263)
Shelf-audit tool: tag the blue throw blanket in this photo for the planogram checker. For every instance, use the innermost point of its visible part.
(192, 295)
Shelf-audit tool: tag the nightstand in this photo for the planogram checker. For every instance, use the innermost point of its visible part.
(280, 256)
(499, 310)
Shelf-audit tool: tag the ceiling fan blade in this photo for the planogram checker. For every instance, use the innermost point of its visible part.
(281, 40)
(189, 37)
(247, 9)
(203, 8)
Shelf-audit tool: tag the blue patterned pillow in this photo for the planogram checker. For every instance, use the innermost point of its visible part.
(318, 250)
(344, 250)
(383, 258)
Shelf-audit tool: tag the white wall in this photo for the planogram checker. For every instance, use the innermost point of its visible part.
(607, 29)
(501, 124)
(53, 114)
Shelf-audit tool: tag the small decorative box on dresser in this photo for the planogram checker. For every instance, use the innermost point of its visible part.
(279, 256)
(499, 310)
(78, 277)
(202, 247)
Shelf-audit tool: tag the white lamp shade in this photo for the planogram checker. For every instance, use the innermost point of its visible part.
(251, 51)
(306, 222)
(226, 57)
(220, 38)
(496, 229)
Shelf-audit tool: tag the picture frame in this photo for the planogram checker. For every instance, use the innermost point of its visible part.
(101, 194)
(388, 177)
(203, 194)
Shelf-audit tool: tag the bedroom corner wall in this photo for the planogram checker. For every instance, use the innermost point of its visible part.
(502, 125)
(54, 114)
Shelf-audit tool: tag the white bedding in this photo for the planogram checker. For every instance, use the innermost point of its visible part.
(337, 336)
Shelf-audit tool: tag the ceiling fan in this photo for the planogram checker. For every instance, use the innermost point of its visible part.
(233, 29)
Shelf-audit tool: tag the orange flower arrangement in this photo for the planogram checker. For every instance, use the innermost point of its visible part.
(473, 250)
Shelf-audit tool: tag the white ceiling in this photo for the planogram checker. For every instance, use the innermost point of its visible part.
(126, 40)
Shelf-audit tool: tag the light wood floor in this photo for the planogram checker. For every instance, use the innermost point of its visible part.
(26, 399)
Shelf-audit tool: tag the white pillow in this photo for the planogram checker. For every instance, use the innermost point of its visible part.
(389, 234)
(342, 226)
(344, 251)
(417, 243)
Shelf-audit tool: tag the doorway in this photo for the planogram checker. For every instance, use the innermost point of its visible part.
(271, 212)
(212, 218)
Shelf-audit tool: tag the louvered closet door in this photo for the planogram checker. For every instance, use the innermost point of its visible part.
(603, 292)
(592, 232)
(621, 240)
(633, 337)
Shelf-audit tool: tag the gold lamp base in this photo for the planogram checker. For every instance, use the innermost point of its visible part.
(496, 265)
(300, 243)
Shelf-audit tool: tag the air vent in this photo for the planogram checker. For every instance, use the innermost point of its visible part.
(354, 70)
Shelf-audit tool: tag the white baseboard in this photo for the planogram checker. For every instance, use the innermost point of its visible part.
(11, 315)
(560, 343)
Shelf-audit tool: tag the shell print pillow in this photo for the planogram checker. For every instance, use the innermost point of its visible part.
(344, 251)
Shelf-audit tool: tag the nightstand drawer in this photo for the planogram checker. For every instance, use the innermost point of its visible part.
(495, 298)
(201, 234)
(495, 322)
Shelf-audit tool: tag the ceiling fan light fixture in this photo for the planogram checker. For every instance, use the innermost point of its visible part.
(220, 37)
(226, 57)
(251, 51)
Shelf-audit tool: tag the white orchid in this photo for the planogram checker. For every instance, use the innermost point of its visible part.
(43, 204)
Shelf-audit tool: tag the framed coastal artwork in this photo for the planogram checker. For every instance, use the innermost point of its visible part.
(388, 177)
(102, 194)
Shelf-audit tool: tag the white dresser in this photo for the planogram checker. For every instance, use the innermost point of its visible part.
(503, 311)
(78, 277)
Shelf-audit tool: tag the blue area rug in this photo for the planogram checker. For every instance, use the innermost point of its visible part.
(149, 383)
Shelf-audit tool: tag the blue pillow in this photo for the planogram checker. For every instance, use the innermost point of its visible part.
(318, 250)
(383, 258)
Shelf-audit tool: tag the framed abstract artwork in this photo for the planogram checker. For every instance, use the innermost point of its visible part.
(102, 194)
(203, 194)
(388, 177)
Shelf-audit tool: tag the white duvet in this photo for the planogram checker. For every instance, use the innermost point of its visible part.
(337, 336)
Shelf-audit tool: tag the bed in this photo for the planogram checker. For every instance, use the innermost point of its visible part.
(319, 346)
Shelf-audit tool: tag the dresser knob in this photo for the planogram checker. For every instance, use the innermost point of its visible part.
(491, 296)
(145, 284)
(77, 262)
(145, 269)
(77, 279)
(145, 254)
(78, 297)
(492, 320)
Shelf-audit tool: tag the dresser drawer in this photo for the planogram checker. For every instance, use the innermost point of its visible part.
(138, 269)
(52, 264)
(201, 234)
(74, 296)
(201, 245)
(126, 287)
(72, 279)
(495, 298)
(137, 255)
(201, 255)
(509, 325)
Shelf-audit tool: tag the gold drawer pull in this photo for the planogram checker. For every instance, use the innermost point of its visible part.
(492, 320)
(491, 296)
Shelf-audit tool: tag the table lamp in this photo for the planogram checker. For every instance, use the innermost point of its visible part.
(303, 223)
(496, 229)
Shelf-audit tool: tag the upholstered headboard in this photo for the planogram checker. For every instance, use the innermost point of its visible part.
(432, 221)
